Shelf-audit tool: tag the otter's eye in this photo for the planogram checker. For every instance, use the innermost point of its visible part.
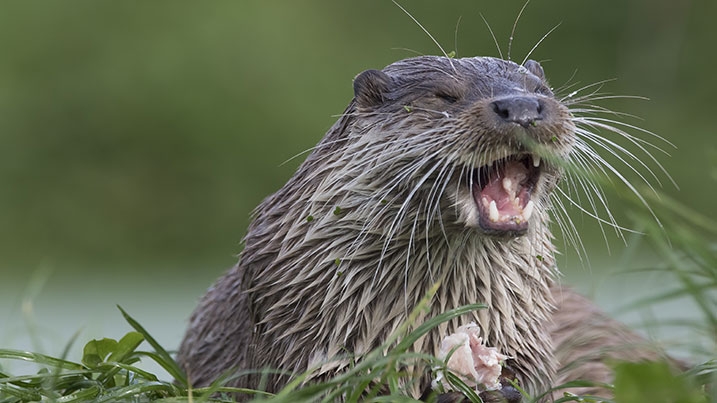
(446, 97)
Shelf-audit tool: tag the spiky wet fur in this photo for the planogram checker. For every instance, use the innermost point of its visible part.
(377, 214)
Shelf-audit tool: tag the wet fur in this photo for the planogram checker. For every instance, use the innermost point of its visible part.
(378, 213)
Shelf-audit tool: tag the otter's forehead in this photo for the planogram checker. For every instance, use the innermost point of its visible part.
(484, 76)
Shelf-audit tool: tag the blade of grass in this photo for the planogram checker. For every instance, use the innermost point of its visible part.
(39, 359)
(126, 392)
(426, 326)
(170, 365)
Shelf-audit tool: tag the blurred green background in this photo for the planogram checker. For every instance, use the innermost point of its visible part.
(136, 137)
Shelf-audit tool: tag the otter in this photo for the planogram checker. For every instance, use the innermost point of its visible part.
(440, 170)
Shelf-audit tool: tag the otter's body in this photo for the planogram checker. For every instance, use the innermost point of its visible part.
(440, 170)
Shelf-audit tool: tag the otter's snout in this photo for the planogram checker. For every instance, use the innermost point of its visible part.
(519, 109)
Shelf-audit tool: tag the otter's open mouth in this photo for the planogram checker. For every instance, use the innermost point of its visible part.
(502, 191)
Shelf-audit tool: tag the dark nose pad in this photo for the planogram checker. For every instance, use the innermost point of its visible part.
(521, 110)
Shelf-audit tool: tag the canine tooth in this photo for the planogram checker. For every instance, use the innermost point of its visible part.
(484, 200)
(528, 210)
(493, 212)
(536, 160)
(507, 185)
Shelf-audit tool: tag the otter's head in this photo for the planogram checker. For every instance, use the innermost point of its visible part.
(485, 134)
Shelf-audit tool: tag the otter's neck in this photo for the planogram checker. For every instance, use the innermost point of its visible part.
(512, 277)
(352, 288)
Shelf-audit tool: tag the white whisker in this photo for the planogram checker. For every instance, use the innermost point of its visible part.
(567, 227)
(538, 44)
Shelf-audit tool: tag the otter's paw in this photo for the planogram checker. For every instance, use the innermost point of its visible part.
(507, 394)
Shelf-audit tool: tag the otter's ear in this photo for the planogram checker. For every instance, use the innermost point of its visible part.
(370, 88)
(535, 68)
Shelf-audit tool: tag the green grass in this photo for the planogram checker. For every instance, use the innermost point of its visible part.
(108, 370)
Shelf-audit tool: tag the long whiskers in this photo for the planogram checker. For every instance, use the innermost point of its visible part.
(426, 32)
(586, 164)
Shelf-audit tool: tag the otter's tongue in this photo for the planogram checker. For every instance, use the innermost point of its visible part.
(504, 201)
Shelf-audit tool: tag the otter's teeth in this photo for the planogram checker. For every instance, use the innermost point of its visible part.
(508, 186)
(493, 212)
(485, 202)
(536, 160)
(528, 210)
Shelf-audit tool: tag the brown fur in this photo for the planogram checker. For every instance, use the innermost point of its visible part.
(587, 342)
(384, 208)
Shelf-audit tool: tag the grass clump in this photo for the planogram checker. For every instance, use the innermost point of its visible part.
(107, 372)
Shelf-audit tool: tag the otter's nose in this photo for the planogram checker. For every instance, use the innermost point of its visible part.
(521, 110)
